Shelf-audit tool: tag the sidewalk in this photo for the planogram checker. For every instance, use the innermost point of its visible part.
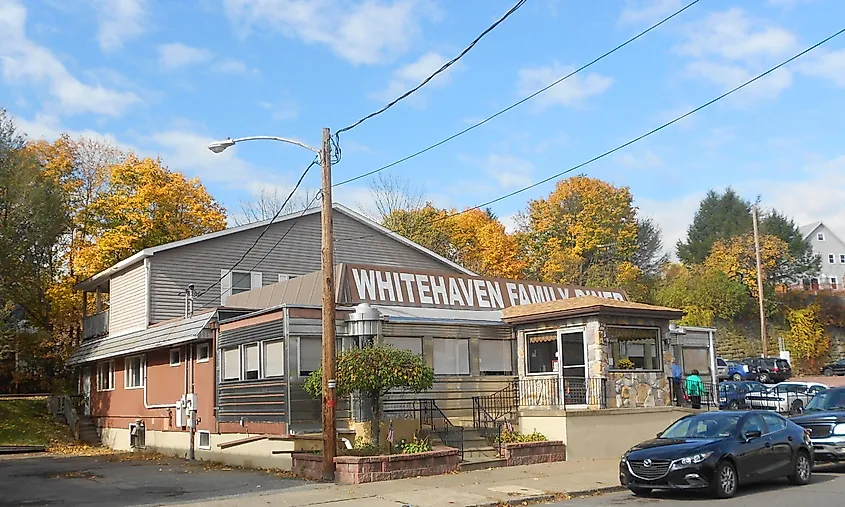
(477, 488)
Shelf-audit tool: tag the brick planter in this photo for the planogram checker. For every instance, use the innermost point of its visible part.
(530, 453)
(361, 469)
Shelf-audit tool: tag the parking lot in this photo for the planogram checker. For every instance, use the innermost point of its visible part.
(110, 481)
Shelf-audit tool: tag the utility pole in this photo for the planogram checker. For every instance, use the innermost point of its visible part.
(329, 343)
(760, 283)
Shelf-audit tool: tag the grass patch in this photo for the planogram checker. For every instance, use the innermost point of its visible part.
(28, 422)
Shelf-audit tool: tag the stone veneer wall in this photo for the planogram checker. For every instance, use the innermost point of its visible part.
(531, 453)
(361, 469)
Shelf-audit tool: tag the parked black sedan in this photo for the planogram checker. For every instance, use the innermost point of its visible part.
(834, 368)
(719, 451)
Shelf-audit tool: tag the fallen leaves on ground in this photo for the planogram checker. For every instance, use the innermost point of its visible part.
(76, 474)
(77, 449)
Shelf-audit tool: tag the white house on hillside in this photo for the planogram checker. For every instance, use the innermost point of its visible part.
(831, 248)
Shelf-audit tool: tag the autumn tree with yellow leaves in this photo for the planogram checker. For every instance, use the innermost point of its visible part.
(807, 339)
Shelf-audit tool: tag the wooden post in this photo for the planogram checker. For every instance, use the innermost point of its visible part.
(760, 283)
(328, 366)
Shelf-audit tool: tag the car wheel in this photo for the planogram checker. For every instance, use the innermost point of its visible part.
(641, 491)
(737, 377)
(725, 480)
(734, 405)
(764, 378)
(796, 408)
(828, 372)
(802, 470)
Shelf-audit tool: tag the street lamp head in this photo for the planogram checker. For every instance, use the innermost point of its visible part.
(219, 146)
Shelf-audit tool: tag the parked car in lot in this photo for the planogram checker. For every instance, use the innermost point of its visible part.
(824, 419)
(738, 371)
(786, 397)
(770, 369)
(722, 369)
(834, 368)
(732, 394)
(719, 451)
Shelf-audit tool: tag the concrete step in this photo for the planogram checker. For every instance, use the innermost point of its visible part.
(480, 452)
(469, 465)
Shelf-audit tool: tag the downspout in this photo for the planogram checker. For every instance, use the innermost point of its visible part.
(286, 336)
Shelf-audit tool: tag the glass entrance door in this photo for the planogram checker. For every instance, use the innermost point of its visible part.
(573, 370)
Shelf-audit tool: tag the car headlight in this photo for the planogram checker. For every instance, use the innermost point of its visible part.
(625, 457)
(839, 429)
(693, 460)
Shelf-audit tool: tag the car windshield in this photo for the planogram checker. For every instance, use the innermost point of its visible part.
(827, 400)
(703, 426)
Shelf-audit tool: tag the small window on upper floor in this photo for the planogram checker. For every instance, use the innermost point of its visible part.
(834, 283)
(175, 357)
(831, 259)
(235, 282)
(842, 258)
(820, 236)
(202, 352)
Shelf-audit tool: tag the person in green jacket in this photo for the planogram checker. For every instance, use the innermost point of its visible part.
(695, 389)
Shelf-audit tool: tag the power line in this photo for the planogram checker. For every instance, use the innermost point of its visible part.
(263, 232)
(445, 66)
(640, 137)
(521, 101)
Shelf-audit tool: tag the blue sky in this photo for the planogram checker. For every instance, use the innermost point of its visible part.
(167, 77)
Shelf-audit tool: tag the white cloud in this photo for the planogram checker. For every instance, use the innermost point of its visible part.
(176, 54)
(361, 32)
(26, 63)
(727, 76)
(788, 4)
(120, 20)
(826, 64)
(409, 76)
(232, 66)
(509, 171)
(647, 11)
(673, 215)
(645, 160)
(732, 35)
(510, 223)
(282, 111)
(571, 92)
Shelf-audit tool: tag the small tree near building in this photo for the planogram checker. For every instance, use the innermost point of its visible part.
(373, 372)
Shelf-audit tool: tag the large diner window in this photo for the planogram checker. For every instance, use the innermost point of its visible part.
(542, 352)
(231, 364)
(274, 358)
(634, 348)
(310, 354)
(405, 343)
(451, 356)
(250, 361)
(495, 357)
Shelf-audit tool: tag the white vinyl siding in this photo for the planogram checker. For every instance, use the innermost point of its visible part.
(412, 344)
(495, 357)
(274, 359)
(451, 356)
(231, 364)
(128, 300)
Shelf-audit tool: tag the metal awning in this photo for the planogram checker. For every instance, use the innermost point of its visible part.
(411, 314)
(161, 335)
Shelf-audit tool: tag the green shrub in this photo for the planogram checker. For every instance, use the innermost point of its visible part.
(514, 437)
(416, 445)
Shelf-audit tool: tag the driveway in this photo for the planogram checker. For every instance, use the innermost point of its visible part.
(110, 481)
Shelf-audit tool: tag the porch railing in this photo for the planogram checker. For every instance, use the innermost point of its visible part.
(493, 413)
(95, 325)
(573, 392)
(450, 434)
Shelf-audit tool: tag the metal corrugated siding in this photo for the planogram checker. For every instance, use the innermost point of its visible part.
(251, 334)
(163, 335)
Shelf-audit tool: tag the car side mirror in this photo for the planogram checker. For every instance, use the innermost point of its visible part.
(751, 435)
(659, 434)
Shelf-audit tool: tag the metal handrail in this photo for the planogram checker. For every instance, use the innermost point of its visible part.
(430, 413)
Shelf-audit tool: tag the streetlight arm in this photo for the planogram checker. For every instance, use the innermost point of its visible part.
(274, 138)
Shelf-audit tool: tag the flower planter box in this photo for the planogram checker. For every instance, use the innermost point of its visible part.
(530, 453)
(361, 469)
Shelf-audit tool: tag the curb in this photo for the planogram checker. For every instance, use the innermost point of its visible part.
(548, 497)
(21, 449)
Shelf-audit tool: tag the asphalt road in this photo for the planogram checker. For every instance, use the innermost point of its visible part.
(105, 481)
(826, 489)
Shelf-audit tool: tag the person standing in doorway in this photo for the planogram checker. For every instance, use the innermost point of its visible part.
(695, 389)
(677, 379)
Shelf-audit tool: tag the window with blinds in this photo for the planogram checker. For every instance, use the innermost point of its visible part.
(495, 357)
(231, 364)
(274, 358)
(310, 355)
(402, 343)
(451, 356)
(542, 352)
(251, 362)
